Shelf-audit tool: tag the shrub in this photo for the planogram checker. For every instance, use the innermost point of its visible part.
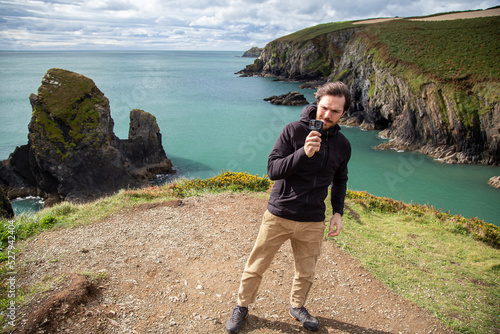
(241, 181)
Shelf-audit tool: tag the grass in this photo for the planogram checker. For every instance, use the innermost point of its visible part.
(315, 31)
(445, 263)
(450, 51)
(459, 56)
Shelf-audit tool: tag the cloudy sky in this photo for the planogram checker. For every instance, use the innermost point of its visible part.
(188, 24)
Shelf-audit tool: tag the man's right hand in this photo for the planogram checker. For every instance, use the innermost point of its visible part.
(313, 143)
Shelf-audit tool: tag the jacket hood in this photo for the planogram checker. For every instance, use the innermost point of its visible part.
(309, 113)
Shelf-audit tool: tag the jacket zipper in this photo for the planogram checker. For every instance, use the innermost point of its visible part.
(324, 158)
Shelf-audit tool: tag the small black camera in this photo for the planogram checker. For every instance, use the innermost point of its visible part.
(315, 125)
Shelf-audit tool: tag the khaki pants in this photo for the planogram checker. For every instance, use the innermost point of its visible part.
(306, 239)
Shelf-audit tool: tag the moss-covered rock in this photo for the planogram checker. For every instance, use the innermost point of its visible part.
(72, 151)
(69, 114)
(253, 52)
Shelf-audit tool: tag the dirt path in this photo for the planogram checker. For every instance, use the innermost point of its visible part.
(175, 268)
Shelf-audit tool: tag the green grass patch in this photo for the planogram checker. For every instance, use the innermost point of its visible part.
(450, 51)
(445, 263)
(315, 31)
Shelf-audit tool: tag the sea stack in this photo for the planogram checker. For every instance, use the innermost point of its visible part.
(72, 152)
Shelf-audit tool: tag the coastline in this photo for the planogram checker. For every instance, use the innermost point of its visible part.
(388, 174)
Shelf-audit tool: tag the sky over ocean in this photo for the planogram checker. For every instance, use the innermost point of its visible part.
(187, 24)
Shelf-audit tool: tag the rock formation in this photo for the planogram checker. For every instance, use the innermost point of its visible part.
(144, 147)
(457, 122)
(288, 99)
(6, 210)
(253, 52)
(303, 60)
(72, 151)
(495, 182)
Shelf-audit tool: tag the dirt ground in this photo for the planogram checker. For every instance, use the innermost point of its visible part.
(175, 267)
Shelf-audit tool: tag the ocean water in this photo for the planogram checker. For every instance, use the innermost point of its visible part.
(213, 120)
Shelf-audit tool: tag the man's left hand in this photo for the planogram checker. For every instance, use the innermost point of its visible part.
(335, 222)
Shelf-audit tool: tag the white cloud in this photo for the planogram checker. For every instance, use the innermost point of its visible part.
(193, 24)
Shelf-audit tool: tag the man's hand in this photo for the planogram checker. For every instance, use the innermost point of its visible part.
(313, 143)
(336, 222)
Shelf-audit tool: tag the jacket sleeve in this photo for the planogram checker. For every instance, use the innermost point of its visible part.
(285, 158)
(339, 185)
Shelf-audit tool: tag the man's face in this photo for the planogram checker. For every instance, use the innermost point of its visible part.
(330, 110)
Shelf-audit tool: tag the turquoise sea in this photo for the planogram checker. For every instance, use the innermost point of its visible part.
(213, 120)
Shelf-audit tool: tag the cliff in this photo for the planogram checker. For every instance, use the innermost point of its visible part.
(420, 113)
(432, 87)
(253, 52)
(307, 55)
(72, 151)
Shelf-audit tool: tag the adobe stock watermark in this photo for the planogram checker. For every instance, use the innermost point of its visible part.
(11, 280)
(406, 167)
(152, 80)
(248, 150)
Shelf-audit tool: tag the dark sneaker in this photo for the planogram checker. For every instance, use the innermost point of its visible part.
(308, 321)
(235, 322)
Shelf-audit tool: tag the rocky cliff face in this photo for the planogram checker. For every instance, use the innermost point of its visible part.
(72, 151)
(253, 52)
(6, 211)
(301, 60)
(424, 116)
(421, 114)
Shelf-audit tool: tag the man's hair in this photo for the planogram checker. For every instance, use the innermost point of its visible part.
(335, 89)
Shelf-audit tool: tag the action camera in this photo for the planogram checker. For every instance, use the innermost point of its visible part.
(315, 125)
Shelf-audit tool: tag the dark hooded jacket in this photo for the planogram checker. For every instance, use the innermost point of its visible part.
(301, 182)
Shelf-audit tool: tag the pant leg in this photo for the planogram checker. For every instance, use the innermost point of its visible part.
(306, 245)
(272, 234)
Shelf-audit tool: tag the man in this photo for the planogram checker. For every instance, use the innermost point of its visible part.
(304, 164)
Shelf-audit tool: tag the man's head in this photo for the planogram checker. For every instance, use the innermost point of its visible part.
(333, 98)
